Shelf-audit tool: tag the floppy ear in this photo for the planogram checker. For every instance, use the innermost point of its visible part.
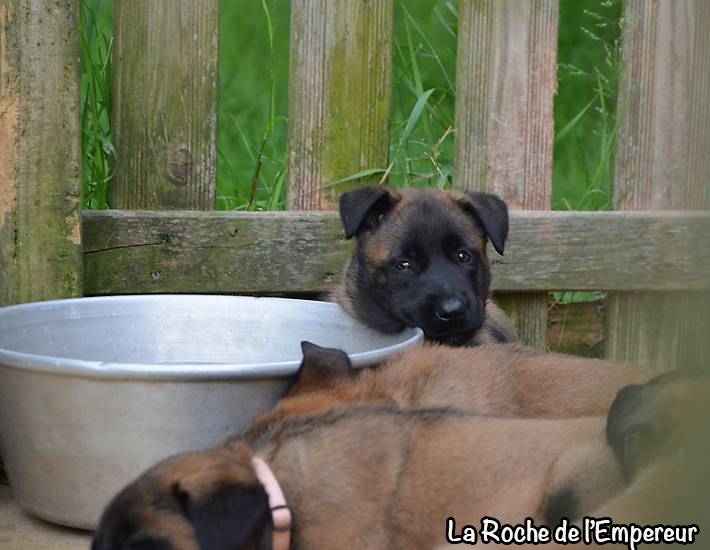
(322, 367)
(647, 420)
(492, 213)
(628, 418)
(230, 517)
(364, 207)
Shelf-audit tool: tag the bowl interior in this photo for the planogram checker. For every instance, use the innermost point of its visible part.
(180, 329)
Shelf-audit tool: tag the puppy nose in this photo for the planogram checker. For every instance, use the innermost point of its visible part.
(451, 309)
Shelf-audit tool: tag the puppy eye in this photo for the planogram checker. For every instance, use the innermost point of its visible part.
(464, 257)
(404, 265)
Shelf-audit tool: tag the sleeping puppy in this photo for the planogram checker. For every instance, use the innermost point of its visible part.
(420, 261)
(366, 476)
(660, 434)
(668, 414)
(661, 437)
(492, 379)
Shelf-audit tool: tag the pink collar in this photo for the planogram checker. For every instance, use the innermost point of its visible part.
(280, 511)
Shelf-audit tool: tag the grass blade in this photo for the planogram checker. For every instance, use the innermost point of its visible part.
(415, 114)
(572, 123)
(356, 176)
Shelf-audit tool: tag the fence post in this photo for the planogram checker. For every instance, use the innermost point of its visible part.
(662, 162)
(165, 104)
(339, 95)
(506, 80)
(40, 151)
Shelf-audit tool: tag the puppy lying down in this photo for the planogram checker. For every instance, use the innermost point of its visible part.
(384, 475)
(374, 476)
(661, 437)
(367, 476)
(491, 379)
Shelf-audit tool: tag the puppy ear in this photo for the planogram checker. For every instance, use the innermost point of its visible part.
(230, 517)
(364, 207)
(628, 418)
(665, 414)
(322, 367)
(491, 212)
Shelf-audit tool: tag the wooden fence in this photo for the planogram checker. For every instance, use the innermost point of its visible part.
(652, 255)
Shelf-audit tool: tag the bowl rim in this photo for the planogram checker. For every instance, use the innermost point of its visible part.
(206, 371)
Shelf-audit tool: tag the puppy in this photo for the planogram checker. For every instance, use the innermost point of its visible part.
(367, 476)
(660, 435)
(420, 261)
(492, 379)
(653, 420)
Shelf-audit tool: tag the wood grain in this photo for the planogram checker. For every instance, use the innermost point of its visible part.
(279, 252)
(40, 151)
(577, 328)
(165, 104)
(506, 81)
(662, 162)
(339, 96)
(662, 159)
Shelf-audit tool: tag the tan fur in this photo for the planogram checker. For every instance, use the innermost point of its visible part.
(202, 474)
(419, 473)
(673, 481)
(384, 478)
(495, 325)
(492, 379)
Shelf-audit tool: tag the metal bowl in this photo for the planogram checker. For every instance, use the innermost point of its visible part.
(95, 390)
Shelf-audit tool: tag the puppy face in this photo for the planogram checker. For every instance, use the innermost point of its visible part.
(196, 501)
(652, 420)
(421, 258)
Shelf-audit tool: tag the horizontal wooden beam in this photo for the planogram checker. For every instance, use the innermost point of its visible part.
(274, 252)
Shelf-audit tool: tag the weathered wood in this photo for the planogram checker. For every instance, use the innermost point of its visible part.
(662, 162)
(528, 313)
(165, 104)
(274, 252)
(663, 330)
(576, 328)
(506, 81)
(662, 159)
(268, 252)
(339, 96)
(40, 151)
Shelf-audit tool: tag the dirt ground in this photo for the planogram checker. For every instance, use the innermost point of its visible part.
(18, 531)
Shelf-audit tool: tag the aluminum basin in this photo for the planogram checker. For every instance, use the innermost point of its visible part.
(95, 390)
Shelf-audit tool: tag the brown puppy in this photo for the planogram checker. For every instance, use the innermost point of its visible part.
(659, 432)
(655, 420)
(492, 379)
(420, 261)
(373, 477)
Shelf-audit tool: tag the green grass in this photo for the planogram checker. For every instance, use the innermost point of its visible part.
(586, 124)
(253, 101)
(586, 121)
(422, 145)
(253, 104)
(98, 151)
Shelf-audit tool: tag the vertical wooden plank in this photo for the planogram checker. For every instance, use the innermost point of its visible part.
(662, 162)
(506, 81)
(339, 95)
(165, 104)
(40, 151)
